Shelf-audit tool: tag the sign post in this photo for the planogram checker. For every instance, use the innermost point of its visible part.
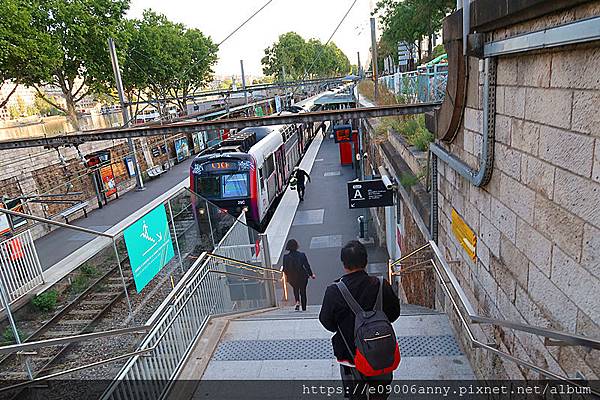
(366, 194)
(149, 246)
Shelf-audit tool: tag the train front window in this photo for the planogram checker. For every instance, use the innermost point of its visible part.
(235, 185)
(209, 186)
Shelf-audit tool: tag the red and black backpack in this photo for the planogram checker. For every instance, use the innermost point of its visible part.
(377, 350)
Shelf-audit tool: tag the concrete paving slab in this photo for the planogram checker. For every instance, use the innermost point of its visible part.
(322, 242)
(309, 217)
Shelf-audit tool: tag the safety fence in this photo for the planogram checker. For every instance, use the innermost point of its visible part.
(180, 221)
(423, 85)
(20, 269)
(214, 285)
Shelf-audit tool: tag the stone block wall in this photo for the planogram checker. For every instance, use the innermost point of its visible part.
(538, 219)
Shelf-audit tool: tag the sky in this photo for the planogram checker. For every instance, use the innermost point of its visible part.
(309, 18)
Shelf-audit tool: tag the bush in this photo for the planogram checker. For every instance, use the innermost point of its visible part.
(89, 270)
(8, 336)
(408, 180)
(421, 139)
(46, 301)
(79, 284)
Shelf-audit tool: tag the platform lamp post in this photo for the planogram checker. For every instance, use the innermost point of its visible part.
(374, 56)
(126, 119)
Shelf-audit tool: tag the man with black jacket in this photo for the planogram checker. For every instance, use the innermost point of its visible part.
(337, 316)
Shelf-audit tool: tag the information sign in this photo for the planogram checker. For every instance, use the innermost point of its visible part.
(465, 236)
(365, 194)
(149, 246)
(342, 133)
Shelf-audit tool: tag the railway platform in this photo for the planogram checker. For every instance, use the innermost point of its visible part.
(282, 344)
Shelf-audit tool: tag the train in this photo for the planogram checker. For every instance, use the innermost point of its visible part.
(250, 170)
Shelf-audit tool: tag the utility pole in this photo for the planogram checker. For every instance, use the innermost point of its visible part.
(359, 71)
(244, 81)
(361, 161)
(115, 65)
(374, 55)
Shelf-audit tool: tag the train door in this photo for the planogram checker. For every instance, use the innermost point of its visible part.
(301, 138)
(280, 167)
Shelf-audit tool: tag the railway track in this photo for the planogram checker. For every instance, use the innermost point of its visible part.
(82, 315)
(78, 317)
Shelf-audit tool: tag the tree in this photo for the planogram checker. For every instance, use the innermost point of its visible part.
(79, 30)
(26, 56)
(410, 21)
(164, 59)
(299, 58)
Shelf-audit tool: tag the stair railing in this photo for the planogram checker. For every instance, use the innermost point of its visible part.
(459, 301)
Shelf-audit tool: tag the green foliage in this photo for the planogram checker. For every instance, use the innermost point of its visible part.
(26, 56)
(8, 336)
(46, 301)
(409, 21)
(438, 51)
(44, 108)
(74, 54)
(79, 284)
(422, 138)
(407, 180)
(300, 58)
(89, 270)
(165, 58)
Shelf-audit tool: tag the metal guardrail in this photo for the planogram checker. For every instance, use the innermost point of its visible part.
(458, 299)
(20, 268)
(418, 86)
(201, 295)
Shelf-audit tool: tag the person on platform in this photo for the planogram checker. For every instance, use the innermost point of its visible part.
(337, 316)
(297, 271)
(301, 176)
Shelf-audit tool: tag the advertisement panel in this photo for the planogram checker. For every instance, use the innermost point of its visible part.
(182, 149)
(108, 180)
(149, 246)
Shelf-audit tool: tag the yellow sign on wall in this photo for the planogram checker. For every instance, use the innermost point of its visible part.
(465, 236)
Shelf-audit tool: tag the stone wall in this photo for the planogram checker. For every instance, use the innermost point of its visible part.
(39, 171)
(538, 219)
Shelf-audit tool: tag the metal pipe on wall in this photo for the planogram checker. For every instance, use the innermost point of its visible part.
(481, 176)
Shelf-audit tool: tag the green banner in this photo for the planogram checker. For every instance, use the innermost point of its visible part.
(149, 246)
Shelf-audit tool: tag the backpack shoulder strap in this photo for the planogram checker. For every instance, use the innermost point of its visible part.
(352, 303)
(379, 301)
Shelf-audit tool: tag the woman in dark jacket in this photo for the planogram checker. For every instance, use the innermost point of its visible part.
(297, 271)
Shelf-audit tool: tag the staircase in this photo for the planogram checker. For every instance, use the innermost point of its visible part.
(284, 344)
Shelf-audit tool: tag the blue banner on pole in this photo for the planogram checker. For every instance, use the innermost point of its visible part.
(149, 246)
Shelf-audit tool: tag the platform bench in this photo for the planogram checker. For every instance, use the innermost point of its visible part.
(73, 209)
(155, 172)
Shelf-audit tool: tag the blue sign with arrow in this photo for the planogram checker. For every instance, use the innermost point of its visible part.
(149, 246)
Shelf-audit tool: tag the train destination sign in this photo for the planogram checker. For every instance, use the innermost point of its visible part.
(365, 194)
(149, 246)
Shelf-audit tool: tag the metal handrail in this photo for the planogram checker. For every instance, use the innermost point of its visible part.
(564, 337)
(149, 326)
(567, 338)
(233, 260)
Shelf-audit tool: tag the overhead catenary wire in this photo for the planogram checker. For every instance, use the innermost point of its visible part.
(320, 53)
